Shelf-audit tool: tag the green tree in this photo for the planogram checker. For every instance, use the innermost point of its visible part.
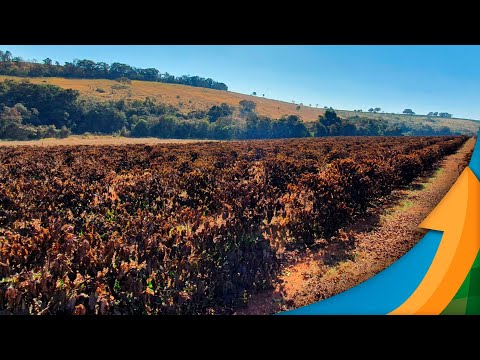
(11, 124)
(5, 56)
(348, 129)
(329, 118)
(216, 112)
(258, 127)
(140, 129)
(101, 118)
(445, 115)
(164, 127)
(320, 130)
(247, 107)
(289, 127)
(64, 132)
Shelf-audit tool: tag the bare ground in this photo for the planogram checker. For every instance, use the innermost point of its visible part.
(97, 140)
(370, 245)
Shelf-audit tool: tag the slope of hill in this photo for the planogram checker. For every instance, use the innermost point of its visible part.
(188, 99)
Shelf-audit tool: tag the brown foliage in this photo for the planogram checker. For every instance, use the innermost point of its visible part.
(169, 229)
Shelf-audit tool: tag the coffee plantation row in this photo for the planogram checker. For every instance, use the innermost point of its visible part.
(182, 229)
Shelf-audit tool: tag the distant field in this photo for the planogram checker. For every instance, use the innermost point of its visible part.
(188, 98)
(97, 140)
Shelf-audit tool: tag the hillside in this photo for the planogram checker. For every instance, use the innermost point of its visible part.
(188, 98)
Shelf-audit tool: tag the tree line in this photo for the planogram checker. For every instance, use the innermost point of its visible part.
(34, 111)
(431, 113)
(89, 69)
(408, 112)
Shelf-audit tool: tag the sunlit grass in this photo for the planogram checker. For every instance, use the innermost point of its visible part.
(195, 98)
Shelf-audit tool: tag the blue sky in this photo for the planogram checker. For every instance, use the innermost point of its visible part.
(423, 78)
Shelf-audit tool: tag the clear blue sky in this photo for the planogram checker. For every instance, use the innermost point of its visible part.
(423, 78)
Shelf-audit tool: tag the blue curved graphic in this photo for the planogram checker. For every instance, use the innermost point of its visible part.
(475, 160)
(385, 291)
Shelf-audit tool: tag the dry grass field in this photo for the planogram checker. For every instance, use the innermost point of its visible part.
(188, 98)
(98, 140)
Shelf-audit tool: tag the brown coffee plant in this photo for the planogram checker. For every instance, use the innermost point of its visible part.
(182, 229)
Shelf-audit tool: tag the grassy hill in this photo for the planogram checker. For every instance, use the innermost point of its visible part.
(188, 99)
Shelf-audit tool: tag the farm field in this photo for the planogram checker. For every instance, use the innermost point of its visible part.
(74, 140)
(184, 229)
(188, 98)
(374, 241)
